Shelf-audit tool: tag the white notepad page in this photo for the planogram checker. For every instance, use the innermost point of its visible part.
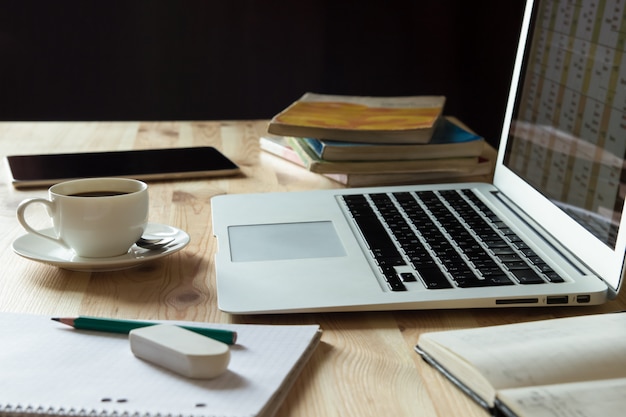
(57, 370)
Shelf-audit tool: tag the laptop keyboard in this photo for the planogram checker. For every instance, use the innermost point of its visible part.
(446, 239)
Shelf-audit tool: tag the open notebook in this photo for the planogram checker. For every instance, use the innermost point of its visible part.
(49, 369)
(573, 366)
(548, 231)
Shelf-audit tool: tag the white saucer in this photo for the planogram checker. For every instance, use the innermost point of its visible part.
(44, 250)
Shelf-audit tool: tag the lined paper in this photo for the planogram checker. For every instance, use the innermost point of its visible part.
(48, 366)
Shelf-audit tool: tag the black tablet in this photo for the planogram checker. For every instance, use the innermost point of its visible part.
(148, 164)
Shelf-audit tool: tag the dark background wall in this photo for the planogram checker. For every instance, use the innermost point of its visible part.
(241, 59)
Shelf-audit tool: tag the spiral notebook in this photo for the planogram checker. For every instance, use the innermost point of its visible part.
(49, 369)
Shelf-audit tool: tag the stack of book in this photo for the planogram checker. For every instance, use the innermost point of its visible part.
(361, 141)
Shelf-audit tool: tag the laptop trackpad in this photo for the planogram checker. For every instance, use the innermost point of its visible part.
(267, 242)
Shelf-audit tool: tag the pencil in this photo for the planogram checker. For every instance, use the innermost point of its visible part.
(125, 326)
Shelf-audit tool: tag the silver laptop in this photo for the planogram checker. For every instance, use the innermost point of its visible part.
(549, 230)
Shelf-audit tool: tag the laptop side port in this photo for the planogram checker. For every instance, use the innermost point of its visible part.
(583, 299)
(518, 301)
(558, 299)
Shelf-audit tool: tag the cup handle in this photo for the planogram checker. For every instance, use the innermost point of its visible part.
(21, 209)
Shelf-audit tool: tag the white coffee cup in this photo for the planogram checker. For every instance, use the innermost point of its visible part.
(95, 217)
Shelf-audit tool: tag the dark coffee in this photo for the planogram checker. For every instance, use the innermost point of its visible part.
(98, 194)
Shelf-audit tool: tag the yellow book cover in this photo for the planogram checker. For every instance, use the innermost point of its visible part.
(409, 119)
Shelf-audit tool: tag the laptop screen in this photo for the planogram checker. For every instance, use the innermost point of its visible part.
(567, 136)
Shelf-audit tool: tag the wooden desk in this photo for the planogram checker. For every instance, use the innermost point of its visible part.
(365, 365)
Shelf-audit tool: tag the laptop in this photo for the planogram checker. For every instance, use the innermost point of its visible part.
(549, 230)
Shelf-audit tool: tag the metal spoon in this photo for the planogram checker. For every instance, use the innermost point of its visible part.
(153, 243)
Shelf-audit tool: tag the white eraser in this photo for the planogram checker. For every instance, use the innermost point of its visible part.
(180, 350)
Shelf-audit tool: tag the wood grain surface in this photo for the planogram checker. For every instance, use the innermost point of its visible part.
(365, 365)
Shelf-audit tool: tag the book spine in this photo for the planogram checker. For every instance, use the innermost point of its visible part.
(284, 152)
(301, 150)
(316, 146)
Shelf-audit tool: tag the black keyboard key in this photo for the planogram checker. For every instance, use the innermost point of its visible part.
(550, 273)
(485, 263)
(495, 242)
(458, 269)
(508, 256)
(499, 279)
(419, 258)
(474, 251)
(408, 277)
(434, 279)
(554, 277)
(503, 251)
(376, 236)
(473, 282)
(514, 265)
(384, 261)
(423, 264)
(527, 276)
(395, 284)
(392, 278)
